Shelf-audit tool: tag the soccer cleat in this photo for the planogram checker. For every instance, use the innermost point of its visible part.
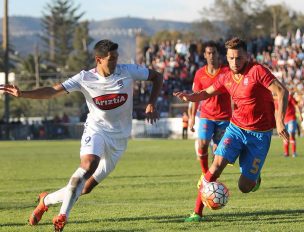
(294, 155)
(286, 155)
(59, 222)
(193, 218)
(36, 215)
(257, 185)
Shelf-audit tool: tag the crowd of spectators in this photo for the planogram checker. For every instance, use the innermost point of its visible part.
(286, 62)
(179, 60)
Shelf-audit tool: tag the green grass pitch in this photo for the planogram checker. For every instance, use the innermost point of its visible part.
(153, 188)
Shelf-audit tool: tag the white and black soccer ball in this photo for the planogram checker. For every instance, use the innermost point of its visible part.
(215, 195)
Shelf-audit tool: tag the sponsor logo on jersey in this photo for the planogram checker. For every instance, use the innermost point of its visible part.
(110, 101)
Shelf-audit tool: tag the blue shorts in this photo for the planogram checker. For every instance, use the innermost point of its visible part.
(250, 146)
(291, 126)
(209, 129)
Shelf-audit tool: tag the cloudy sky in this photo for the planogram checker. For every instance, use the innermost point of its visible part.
(177, 10)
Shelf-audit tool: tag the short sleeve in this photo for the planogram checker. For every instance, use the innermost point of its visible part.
(218, 85)
(72, 84)
(138, 72)
(196, 83)
(265, 77)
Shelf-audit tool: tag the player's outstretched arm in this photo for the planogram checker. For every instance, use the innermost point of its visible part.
(40, 93)
(151, 112)
(197, 96)
(282, 95)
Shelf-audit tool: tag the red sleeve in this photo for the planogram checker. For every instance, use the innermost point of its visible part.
(218, 85)
(196, 82)
(265, 77)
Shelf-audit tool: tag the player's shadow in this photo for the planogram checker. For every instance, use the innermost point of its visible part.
(289, 216)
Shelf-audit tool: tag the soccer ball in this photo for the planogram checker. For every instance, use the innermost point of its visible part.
(214, 195)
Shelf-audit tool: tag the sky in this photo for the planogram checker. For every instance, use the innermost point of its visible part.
(176, 10)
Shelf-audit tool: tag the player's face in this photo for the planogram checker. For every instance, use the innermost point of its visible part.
(237, 59)
(211, 55)
(109, 62)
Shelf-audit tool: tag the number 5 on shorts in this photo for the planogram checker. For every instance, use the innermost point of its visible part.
(255, 166)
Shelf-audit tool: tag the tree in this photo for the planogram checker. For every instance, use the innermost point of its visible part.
(59, 23)
(237, 15)
(250, 18)
(80, 58)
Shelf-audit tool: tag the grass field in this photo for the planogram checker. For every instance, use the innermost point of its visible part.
(152, 189)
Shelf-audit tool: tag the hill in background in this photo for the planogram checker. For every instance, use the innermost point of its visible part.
(24, 32)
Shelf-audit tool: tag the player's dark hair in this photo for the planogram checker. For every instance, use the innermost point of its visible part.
(236, 43)
(104, 46)
(211, 44)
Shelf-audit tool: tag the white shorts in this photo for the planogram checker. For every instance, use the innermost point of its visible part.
(108, 149)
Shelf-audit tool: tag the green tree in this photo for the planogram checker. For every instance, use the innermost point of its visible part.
(59, 21)
(80, 58)
(208, 30)
(237, 16)
(172, 35)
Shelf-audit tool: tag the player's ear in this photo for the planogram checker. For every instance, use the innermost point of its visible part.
(98, 59)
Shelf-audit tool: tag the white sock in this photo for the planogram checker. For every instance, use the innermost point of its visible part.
(55, 197)
(73, 191)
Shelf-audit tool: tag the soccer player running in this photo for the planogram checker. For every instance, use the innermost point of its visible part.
(108, 90)
(215, 113)
(291, 125)
(248, 135)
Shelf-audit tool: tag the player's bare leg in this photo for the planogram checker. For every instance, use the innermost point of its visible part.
(89, 185)
(218, 165)
(247, 185)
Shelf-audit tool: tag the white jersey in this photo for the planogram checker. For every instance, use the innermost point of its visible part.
(109, 99)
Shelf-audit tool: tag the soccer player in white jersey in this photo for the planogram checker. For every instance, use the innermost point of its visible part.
(108, 90)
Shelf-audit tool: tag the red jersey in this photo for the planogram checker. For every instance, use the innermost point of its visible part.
(291, 109)
(217, 107)
(254, 107)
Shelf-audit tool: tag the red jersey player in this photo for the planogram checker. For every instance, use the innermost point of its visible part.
(290, 121)
(215, 112)
(248, 136)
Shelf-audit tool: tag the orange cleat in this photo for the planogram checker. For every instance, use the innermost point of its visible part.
(59, 222)
(36, 215)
